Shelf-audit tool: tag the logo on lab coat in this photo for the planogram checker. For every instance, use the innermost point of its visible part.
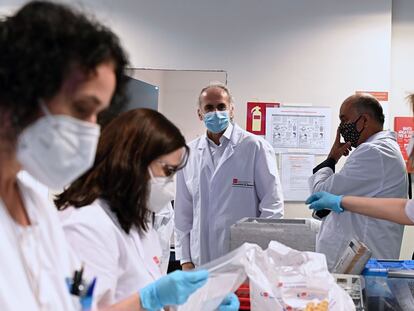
(266, 295)
(242, 183)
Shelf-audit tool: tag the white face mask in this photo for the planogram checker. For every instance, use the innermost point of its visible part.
(162, 191)
(57, 149)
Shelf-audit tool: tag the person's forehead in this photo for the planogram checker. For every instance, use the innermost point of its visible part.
(99, 83)
(347, 108)
(215, 95)
(173, 158)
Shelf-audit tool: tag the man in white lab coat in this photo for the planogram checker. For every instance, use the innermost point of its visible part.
(230, 174)
(374, 169)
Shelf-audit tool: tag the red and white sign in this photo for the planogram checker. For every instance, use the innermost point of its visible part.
(404, 127)
(256, 117)
(380, 96)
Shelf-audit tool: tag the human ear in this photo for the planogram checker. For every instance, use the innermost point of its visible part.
(231, 112)
(200, 115)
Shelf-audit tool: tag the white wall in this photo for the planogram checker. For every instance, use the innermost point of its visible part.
(317, 51)
(402, 57)
(402, 82)
(178, 93)
(295, 51)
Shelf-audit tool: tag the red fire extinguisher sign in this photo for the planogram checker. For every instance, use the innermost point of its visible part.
(256, 117)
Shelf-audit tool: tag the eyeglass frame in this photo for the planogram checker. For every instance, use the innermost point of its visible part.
(170, 170)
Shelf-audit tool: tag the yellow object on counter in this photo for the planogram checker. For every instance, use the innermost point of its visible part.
(322, 306)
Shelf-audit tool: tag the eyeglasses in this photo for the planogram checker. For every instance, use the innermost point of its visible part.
(169, 170)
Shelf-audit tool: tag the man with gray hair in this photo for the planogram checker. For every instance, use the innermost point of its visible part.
(374, 169)
(230, 174)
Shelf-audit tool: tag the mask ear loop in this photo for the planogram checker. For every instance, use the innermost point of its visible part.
(44, 108)
(150, 173)
(359, 132)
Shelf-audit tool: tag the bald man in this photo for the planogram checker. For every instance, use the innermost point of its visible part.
(230, 174)
(375, 168)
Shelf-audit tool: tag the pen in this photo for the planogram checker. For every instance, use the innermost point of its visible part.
(77, 282)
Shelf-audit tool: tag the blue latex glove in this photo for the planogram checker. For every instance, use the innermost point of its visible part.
(172, 289)
(230, 303)
(325, 200)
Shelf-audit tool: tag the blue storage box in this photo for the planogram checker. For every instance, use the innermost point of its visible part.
(377, 267)
(389, 284)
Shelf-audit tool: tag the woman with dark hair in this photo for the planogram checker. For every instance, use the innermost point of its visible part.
(58, 71)
(107, 212)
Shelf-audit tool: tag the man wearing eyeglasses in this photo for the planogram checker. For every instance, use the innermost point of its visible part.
(230, 174)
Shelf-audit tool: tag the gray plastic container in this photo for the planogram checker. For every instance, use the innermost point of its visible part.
(299, 234)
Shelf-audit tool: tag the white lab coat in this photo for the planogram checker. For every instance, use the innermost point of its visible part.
(164, 225)
(44, 246)
(123, 263)
(409, 210)
(374, 169)
(210, 199)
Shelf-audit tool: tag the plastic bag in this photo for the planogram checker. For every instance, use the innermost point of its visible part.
(226, 274)
(280, 278)
(297, 281)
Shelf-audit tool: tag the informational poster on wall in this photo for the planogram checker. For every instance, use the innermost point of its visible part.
(299, 129)
(404, 127)
(256, 117)
(295, 172)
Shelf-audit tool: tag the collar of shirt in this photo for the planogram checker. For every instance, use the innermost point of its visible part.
(381, 134)
(223, 139)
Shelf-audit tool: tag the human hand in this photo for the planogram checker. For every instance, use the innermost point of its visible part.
(187, 266)
(339, 149)
(172, 289)
(230, 303)
(324, 200)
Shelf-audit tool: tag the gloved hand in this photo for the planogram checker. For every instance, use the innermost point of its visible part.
(230, 303)
(325, 200)
(172, 289)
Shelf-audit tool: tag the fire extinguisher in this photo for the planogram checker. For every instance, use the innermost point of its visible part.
(256, 119)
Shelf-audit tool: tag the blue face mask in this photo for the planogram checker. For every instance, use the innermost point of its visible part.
(217, 121)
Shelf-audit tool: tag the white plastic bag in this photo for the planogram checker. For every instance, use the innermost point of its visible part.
(297, 280)
(280, 278)
(226, 274)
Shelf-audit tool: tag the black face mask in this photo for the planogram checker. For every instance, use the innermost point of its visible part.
(350, 132)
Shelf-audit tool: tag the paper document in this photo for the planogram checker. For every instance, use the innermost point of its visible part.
(299, 129)
(295, 172)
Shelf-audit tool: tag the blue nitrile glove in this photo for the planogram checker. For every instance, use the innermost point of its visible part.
(172, 289)
(325, 200)
(230, 303)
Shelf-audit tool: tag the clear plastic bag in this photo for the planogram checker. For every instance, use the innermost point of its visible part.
(226, 274)
(280, 279)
